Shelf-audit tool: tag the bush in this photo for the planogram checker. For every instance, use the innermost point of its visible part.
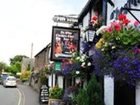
(56, 93)
(92, 93)
(25, 76)
(43, 80)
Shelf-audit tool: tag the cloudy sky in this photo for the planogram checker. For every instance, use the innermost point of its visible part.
(23, 22)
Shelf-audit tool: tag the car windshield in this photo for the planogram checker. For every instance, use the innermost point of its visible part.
(4, 76)
(11, 79)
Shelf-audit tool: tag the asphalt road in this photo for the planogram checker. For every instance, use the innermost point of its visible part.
(22, 95)
(9, 96)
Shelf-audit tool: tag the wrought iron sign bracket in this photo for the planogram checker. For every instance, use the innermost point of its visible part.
(132, 9)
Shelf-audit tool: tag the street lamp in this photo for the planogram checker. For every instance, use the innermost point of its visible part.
(90, 33)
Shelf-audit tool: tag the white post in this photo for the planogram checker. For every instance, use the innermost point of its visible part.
(108, 90)
(50, 80)
(60, 81)
(138, 93)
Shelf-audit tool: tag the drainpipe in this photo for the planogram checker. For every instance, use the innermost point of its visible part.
(104, 12)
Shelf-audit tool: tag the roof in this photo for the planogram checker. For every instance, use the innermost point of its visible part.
(43, 49)
(89, 5)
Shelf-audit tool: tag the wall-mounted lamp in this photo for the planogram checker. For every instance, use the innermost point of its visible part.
(90, 33)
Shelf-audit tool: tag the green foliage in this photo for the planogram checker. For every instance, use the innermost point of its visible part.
(15, 63)
(43, 80)
(42, 77)
(92, 92)
(15, 68)
(17, 58)
(56, 93)
(124, 38)
(25, 76)
(28, 67)
(3, 66)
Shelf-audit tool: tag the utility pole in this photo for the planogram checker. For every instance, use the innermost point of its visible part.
(31, 50)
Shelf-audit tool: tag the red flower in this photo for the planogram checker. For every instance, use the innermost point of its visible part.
(122, 17)
(117, 27)
(126, 21)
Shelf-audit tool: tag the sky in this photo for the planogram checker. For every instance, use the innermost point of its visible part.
(23, 22)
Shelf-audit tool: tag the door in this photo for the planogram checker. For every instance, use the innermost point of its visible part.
(124, 93)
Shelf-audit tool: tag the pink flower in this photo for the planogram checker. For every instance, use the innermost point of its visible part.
(94, 18)
(109, 29)
(116, 26)
(137, 50)
(136, 23)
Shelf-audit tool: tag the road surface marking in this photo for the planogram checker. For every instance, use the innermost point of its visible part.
(21, 93)
(19, 102)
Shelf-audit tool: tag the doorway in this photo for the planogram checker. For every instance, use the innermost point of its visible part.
(124, 94)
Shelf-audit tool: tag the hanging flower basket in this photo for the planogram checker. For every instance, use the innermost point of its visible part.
(117, 53)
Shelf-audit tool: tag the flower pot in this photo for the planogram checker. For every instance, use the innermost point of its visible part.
(55, 102)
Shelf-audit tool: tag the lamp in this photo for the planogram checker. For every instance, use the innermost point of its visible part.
(90, 33)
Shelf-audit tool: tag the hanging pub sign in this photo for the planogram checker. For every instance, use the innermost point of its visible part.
(64, 19)
(65, 41)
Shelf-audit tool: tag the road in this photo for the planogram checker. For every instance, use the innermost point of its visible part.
(9, 96)
(22, 95)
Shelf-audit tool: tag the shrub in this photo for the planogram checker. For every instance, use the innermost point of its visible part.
(92, 93)
(25, 76)
(56, 93)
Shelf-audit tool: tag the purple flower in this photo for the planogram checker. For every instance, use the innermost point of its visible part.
(122, 64)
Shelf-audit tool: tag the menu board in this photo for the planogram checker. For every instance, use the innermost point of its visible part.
(44, 94)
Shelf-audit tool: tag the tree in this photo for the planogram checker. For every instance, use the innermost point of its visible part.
(15, 68)
(17, 58)
(15, 63)
(3, 66)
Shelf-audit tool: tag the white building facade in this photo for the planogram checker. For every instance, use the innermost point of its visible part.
(110, 10)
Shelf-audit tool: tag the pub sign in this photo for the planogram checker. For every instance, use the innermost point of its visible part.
(65, 41)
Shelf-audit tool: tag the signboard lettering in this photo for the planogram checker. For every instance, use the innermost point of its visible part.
(64, 19)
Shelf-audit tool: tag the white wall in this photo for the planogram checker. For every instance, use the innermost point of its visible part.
(108, 90)
(119, 4)
(85, 23)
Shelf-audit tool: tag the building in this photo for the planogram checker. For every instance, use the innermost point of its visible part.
(27, 63)
(109, 9)
(40, 63)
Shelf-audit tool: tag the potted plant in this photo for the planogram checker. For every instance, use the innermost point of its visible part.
(55, 95)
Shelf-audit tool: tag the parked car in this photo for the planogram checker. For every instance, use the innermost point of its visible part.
(3, 77)
(10, 81)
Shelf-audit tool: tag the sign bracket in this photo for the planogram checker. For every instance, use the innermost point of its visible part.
(132, 9)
